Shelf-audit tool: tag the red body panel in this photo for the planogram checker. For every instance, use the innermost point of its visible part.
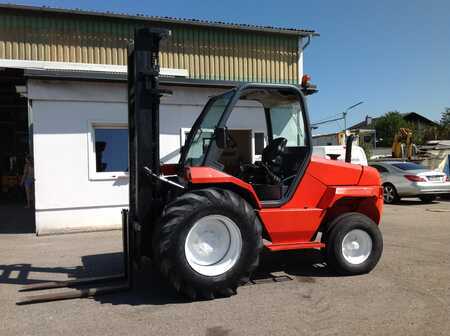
(287, 226)
(295, 246)
(328, 188)
(369, 177)
(207, 175)
(334, 172)
(298, 219)
(169, 169)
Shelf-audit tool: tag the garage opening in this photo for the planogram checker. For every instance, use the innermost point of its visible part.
(16, 214)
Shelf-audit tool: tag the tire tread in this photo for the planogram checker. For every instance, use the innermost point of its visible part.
(180, 211)
(344, 224)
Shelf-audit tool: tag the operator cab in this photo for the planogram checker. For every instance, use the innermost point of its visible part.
(257, 133)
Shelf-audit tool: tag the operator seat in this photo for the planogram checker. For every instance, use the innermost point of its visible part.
(266, 176)
(272, 156)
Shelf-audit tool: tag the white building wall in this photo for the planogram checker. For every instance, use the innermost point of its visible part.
(333, 139)
(67, 199)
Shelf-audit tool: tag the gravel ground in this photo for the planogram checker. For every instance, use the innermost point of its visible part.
(408, 293)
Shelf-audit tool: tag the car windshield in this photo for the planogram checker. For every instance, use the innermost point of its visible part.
(204, 133)
(408, 166)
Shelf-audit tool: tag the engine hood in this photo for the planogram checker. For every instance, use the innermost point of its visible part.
(334, 172)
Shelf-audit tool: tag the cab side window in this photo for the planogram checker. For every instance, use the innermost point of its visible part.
(287, 122)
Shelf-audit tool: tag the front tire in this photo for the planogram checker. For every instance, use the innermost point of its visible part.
(390, 195)
(353, 244)
(207, 243)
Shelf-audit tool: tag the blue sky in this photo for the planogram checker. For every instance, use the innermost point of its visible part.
(393, 55)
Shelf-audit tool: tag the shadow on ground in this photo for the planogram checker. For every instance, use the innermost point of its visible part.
(149, 288)
(418, 202)
(94, 265)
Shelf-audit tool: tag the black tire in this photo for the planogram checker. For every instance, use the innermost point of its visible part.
(427, 198)
(177, 220)
(327, 229)
(339, 228)
(390, 194)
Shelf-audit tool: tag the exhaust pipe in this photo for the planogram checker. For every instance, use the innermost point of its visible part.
(348, 148)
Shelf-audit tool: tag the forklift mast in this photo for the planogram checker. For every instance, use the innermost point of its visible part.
(143, 148)
(143, 126)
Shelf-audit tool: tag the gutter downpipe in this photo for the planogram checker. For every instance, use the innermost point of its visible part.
(301, 47)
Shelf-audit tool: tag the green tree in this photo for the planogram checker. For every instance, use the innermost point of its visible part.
(444, 125)
(368, 149)
(424, 134)
(418, 136)
(445, 117)
(387, 126)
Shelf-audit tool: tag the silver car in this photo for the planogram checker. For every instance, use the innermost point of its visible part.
(408, 179)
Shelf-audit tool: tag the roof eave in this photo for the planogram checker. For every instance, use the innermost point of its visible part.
(167, 20)
(121, 77)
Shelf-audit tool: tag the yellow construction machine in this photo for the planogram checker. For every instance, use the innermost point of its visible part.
(402, 145)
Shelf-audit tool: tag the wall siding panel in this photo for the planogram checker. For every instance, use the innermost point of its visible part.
(208, 53)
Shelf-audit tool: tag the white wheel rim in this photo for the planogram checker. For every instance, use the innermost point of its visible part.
(356, 246)
(213, 245)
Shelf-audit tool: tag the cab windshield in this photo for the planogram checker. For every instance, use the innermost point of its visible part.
(256, 133)
(205, 131)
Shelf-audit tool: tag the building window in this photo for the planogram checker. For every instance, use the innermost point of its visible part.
(108, 150)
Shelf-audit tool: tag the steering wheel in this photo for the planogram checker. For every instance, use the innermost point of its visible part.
(268, 171)
(271, 155)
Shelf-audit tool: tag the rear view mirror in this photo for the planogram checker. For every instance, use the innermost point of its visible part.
(221, 137)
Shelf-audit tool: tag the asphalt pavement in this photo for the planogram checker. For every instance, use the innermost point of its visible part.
(408, 293)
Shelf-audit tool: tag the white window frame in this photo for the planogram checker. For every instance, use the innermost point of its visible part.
(92, 163)
(183, 131)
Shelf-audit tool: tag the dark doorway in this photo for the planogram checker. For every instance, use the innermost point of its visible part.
(14, 147)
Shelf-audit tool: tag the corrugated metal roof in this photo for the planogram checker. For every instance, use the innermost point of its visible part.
(206, 51)
(165, 19)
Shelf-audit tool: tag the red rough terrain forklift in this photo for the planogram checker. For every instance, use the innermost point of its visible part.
(205, 220)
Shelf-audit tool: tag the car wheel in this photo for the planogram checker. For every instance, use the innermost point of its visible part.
(390, 194)
(427, 198)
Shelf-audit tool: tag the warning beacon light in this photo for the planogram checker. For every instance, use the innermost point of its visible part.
(306, 87)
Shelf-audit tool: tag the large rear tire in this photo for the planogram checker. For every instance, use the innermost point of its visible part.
(354, 244)
(207, 243)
